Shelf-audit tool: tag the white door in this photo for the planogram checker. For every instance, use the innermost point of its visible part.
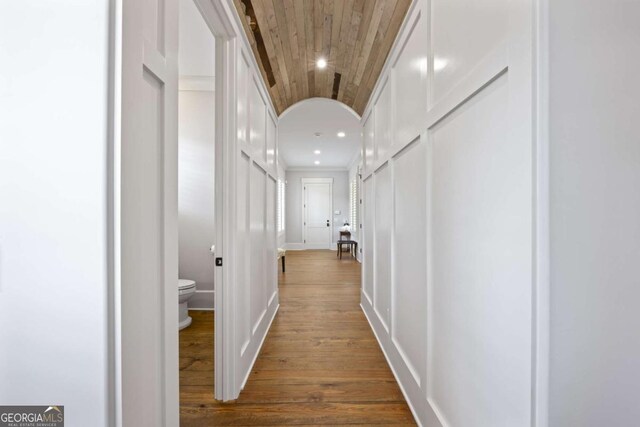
(245, 202)
(146, 202)
(317, 218)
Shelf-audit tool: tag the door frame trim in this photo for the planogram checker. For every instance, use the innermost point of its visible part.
(220, 20)
(131, 55)
(304, 227)
(231, 41)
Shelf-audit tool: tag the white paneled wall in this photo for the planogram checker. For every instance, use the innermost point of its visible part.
(382, 125)
(257, 283)
(243, 245)
(271, 240)
(258, 120)
(410, 79)
(448, 213)
(481, 264)
(367, 223)
(410, 210)
(271, 141)
(256, 233)
(369, 150)
(382, 244)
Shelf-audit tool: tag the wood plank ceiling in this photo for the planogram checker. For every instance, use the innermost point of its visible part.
(289, 36)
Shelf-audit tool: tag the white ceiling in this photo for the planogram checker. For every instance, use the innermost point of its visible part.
(297, 141)
(196, 57)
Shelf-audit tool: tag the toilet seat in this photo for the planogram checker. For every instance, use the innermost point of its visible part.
(184, 284)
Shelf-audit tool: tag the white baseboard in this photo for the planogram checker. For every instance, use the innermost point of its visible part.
(262, 340)
(306, 247)
(413, 394)
(203, 300)
(294, 246)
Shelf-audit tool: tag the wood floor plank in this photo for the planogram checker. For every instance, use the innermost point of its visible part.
(320, 363)
(370, 413)
(291, 391)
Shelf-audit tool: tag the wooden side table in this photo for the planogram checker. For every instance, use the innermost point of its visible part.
(282, 254)
(353, 247)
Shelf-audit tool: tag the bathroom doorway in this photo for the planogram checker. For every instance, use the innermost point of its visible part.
(245, 175)
(196, 203)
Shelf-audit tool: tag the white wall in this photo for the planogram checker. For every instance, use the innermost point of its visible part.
(448, 273)
(196, 157)
(197, 48)
(53, 214)
(294, 202)
(595, 212)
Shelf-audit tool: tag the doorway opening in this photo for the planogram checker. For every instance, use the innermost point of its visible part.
(197, 128)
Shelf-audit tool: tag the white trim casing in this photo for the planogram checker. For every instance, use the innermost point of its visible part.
(146, 220)
(234, 362)
(541, 327)
(114, 227)
(315, 100)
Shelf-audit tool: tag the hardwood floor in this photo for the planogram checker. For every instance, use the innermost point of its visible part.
(320, 363)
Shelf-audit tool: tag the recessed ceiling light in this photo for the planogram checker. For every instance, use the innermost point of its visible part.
(316, 152)
(341, 134)
(317, 162)
(317, 134)
(321, 63)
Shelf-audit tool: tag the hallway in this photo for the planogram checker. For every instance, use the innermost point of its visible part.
(320, 363)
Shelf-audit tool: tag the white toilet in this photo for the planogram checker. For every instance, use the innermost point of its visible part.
(186, 289)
